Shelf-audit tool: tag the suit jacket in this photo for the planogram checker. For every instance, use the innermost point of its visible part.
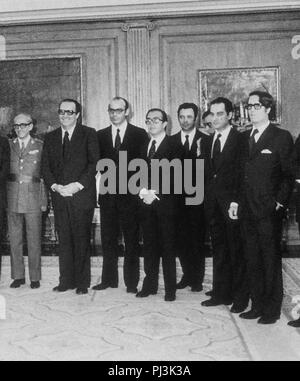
(222, 180)
(80, 166)
(4, 169)
(133, 140)
(25, 188)
(197, 151)
(168, 149)
(296, 172)
(268, 176)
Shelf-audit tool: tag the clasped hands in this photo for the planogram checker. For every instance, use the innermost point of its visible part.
(67, 190)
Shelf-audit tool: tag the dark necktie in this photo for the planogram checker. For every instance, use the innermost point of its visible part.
(252, 141)
(22, 148)
(66, 146)
(217, 148)
(118, 140)
(186, 145)
(152, 150)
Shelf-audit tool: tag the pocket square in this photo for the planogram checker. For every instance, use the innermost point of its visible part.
(33, 152)
(266, 151)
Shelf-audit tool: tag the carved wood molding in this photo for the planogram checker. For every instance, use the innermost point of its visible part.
(14, 12)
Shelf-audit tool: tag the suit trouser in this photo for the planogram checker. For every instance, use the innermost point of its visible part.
(264, 265)
(158, 237)
(33, 223)
(229, 266)
(2, 224)
(115, 210)
(191, 235)
(74, 231)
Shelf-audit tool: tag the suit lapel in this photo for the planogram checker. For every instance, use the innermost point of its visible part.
(265, 137)
(161, 149)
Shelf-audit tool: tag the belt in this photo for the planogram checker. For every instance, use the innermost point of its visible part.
(23, 178)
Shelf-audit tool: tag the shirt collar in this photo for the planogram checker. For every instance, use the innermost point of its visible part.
(158, 139)
(261, 128)
(121, 127)
(190, 134)
(70, 131)
(224, 133)
(25, 141)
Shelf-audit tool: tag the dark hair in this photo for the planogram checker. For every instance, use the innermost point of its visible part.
(205, 114)
(184, 106)
(77, 104)
(228, 105)
(265, 98)
(117, 98)
(163, 113)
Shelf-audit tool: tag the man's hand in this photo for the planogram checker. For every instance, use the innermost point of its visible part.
(233, 211)
(278, 206)
(148, 195)
(70, 189)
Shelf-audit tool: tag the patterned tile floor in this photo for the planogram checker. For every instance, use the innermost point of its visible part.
(113, 325)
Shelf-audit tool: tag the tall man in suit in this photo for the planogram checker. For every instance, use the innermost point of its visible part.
(266, 187)
(120, 208)
(26, 199)
(158, 210)
(70, 157)
(191, 222)
(222, 177)
(4, 171)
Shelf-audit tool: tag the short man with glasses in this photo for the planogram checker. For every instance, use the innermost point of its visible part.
(26, 199)
(207, 127)
(119, 209)
(191, 222)
(266, 187)
(70, 157)
(222, 178)
(158, 210)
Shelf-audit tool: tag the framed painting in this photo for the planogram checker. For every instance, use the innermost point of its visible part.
(236, 84)
(36, 86)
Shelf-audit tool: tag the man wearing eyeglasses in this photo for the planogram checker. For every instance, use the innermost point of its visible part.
(266, 187)
(70, 157)
(207, 123)
(119, 209)
(26, 199)
(191, 222)
(158, 210)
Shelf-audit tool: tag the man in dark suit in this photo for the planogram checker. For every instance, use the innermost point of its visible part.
(4, 171)
(191, 222)
(120, 208)
(266, 187)
(70, 157)
(222, 176)
(158, 210)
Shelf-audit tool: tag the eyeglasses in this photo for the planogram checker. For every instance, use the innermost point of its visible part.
(21, 126)
(117, 111)
(66, 112)
(256, 106)
(148, 121)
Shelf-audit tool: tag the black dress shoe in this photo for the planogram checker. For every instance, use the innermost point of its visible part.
(35, 284)
(197, 288)
(215, 302)
(294, 323)
(267, 320)
(145, 293)
(131, 290)
(252, 314)
(81, 291)
(182, 284)
(236, 309)
(17, 283)
(209, 293)
(170, 297)
(103, 286)
(61, 288)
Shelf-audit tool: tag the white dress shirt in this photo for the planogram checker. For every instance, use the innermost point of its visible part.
(224, 135)
(122, 127)
(191, 136)
(158, 140)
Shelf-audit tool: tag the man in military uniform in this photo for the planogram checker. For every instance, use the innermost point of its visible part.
(26, 199)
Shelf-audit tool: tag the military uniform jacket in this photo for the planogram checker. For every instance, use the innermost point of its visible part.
(25, 189)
